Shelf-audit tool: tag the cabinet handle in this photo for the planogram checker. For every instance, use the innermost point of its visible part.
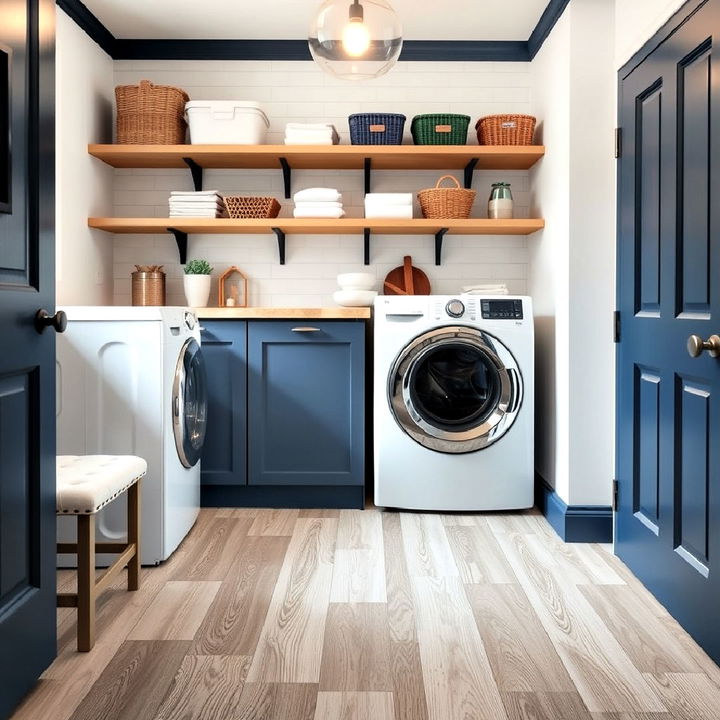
(305, 329)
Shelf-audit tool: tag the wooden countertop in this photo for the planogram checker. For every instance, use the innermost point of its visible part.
(279, 313)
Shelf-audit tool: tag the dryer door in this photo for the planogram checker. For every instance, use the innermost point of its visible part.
(189, 404)
(455, 389)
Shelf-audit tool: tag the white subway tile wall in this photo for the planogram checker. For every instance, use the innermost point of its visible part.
(301, 92)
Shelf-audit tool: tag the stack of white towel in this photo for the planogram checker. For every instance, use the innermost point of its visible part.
(318, 203)
(489, 289)
(389, 205)
(311, 134)
(207, 203)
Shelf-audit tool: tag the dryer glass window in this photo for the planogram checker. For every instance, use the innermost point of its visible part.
(190, 404)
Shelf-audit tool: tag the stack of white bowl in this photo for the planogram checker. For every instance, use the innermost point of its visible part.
(356, 290)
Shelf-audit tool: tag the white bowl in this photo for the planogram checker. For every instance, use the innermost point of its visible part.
(355, 298)
(356, 281)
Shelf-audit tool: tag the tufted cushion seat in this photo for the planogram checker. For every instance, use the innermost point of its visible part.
(85, 483)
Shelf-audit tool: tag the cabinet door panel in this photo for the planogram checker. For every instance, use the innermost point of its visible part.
(224, 458)
(306, 403)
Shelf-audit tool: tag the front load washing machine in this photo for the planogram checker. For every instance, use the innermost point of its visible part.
(453, 402)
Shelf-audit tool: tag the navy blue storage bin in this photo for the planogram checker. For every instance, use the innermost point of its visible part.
(376, 128)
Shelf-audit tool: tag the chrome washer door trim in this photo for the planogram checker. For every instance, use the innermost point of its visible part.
(188, 449)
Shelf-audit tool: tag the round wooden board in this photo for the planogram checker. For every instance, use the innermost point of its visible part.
(398, 280)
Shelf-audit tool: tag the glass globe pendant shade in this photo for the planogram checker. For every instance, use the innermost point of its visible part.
(356, 39)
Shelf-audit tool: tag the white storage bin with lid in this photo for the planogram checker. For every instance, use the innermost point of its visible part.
(219, 122)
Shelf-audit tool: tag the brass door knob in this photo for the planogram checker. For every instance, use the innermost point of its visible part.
(696, 346)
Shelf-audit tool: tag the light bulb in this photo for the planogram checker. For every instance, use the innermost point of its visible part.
(356, 38)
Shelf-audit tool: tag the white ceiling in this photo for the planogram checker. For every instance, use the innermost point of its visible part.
(290, 19)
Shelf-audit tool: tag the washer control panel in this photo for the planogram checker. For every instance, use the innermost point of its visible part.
(501, 309)
(455, 308)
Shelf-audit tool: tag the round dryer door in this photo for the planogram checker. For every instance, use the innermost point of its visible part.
(455, 389)
(189, 404)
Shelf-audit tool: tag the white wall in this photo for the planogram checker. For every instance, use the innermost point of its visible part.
(300, 91)
(84, 89)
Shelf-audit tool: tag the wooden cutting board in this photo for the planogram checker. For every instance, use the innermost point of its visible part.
(406, 280)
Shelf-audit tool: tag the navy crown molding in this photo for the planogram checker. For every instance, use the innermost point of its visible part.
(574, 523)
(413, 50)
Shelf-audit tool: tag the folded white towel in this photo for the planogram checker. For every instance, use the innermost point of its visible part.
(309, 126)
(404, 212)
(389, 199)
(199, 193)
(497, 289)
(199, 213)
(317, 195)
(309, 141)
(310, 205)
(329, 212)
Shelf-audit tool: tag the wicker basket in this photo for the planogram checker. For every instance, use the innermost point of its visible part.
(443, 129)
(150, 114)
(448, 203)
(505, 130)
(376, 128)
(244, 207)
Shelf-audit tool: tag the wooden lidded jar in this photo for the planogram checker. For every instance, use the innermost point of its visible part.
(148, 285)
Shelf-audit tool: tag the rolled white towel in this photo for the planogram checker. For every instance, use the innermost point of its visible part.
(404, 212)
(389, 199)
(317, 195)
(328, 212)
(309, 205)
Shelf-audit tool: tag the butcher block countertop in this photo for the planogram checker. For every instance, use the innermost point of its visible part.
(279, 313)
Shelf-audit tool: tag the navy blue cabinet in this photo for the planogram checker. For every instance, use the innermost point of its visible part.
(306, 401)
(224, 458)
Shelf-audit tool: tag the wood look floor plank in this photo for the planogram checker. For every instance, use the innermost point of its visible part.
(462, 519)
(688, 696)
(632, 716)
(356, 651)
(238, 513)
(520, 653)
(205, 688)
(133, 685)
(427, 551)
(407, 680)
(291, 641)
(233, 623)
(354, 706)
(401, 612)
(478, 556)
(177, 611)
(545, 706)
(276, 701)
(605, 677)
(274, 522)
(319, 513)
(457, 674)
(502, 523)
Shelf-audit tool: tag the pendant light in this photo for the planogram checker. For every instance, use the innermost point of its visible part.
(356, 39)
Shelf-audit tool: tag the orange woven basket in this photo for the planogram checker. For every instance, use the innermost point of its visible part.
(241, 207)
(505, 130)
(448, 203)
(150, 114)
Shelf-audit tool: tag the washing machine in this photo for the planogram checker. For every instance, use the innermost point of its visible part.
(131, 381)
(453, 402)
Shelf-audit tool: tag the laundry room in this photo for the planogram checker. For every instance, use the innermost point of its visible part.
(356, 364)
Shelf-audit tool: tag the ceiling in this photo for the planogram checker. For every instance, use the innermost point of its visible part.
(290, 19)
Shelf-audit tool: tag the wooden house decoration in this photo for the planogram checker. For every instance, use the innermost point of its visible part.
(233, 288)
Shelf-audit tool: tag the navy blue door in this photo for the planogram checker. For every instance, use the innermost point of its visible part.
(224, 457)
(306, 403)
(668, 430)
(27, 357)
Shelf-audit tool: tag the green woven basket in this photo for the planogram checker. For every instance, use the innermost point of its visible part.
(440, 129)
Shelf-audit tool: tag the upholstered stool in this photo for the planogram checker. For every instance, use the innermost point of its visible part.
(85, 484)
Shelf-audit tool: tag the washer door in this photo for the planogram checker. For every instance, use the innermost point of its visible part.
(455, 389)
(189, 404)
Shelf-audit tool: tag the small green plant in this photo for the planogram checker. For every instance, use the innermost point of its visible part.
(198, 267)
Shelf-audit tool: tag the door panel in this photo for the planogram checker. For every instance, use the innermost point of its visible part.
(647, 488)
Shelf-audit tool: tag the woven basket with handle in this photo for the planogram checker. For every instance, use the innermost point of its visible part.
(244, 207)
(150, 114)
(505, 130)
(449, 203)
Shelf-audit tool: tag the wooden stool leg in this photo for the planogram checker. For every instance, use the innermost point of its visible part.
(133, 522)
(86, 582)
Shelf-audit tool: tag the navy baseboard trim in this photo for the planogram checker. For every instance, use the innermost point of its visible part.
(283, 496)
(574, 523)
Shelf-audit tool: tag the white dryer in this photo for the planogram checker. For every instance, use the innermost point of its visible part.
(453, 402)
(131, 381)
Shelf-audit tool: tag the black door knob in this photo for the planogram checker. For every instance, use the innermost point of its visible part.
(58, 321)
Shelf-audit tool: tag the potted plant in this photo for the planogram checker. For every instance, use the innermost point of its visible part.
(197, 282)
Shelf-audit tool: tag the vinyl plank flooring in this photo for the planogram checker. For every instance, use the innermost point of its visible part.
(427, 551)
(680, 635)
(354, 706)
(523, 521)
(461, 519)
(632, 716)
(688, 696)
(407, 681)
(400, 605)
(275, 701)
(205, 688)
(478, 556)
(233, 623)
(456, 671)
(603, 674)
(545, 706)
(291, 641)
(176, 612)
(237, 513)
(274, 522)
(520, 653)
(134, 683)
(319, 513)
(356, 651)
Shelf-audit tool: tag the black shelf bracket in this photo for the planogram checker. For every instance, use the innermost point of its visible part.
(368, 168)
(181, 238)
(469, 169)
(287, 175)
(366, 254)
(281, 243)
(439, 235)
(197, 173)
